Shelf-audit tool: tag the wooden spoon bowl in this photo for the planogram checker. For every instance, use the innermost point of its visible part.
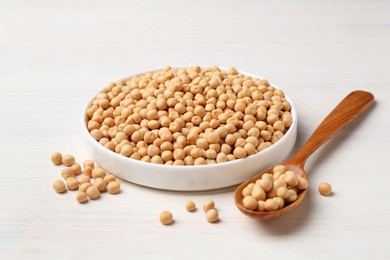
(345, 112)
(264, 215)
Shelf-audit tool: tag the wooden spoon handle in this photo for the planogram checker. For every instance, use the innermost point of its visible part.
(345, 112)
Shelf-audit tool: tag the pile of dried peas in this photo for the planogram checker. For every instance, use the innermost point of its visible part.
(273, 191)
(189, 116)
(101, 180)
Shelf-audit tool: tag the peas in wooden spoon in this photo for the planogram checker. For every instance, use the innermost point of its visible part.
(344, 113)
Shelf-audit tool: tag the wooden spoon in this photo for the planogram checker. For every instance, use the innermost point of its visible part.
(345, 112)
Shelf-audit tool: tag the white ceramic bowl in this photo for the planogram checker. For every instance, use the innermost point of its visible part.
(190, 178)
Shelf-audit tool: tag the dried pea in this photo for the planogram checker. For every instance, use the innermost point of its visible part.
(56, 158)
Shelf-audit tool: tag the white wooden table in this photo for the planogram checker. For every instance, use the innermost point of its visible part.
(54, 55)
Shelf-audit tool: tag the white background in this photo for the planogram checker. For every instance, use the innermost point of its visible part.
(54, 55)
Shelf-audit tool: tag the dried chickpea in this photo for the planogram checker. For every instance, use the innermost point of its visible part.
(113, 187)
(250, 149)
(100, 184)
(67, 172)
(272, 193)
(325, 189)
(59, 186)
(190, 205)
(215, 147)
(213, 138)
(265, 184)
(92, 192)
(81, 197)
(88, 171)
(83, 179)
(260, 205)
(207, 205)
(72, 184)
(84, 186)
(76, 169)
(302, 183)
(279, 201)
(292, 178)
(212, 216)
(221, 157)
(246, 191)
(267, 176)
(250, 202)
(179, 154)
(200, 161)
(97, 134)
(230, 157)
(282, 192)
(157, 159)
(239, 152)
(166, 217)
(126, 150)
(291, 196)
(196, 152)
(109, 178)
(56, 158)
(271, 205)
(258, 193)
(188, 160)
(68, 160)
(98, 173)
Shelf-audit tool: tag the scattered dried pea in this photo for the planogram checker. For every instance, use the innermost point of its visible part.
(83, 182)
(98, 173)
(325, 189)
(166, 217)
(76, 168)
(100, 184)
(68, 160)
(190, 205)
(93, 192)
(207, 205)
(83, 179)
(109, 178)
(56, 158)
(89, 163)
(212, 216)
(84, 186)
(88, 171)
(67, 172)
(59, 186)
(113, 187)
(81, 197)
(72, 184)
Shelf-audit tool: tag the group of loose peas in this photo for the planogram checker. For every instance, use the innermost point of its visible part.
(78, 179)
(189, 116)
(103, 182)
(212, 216)
(275, 190)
